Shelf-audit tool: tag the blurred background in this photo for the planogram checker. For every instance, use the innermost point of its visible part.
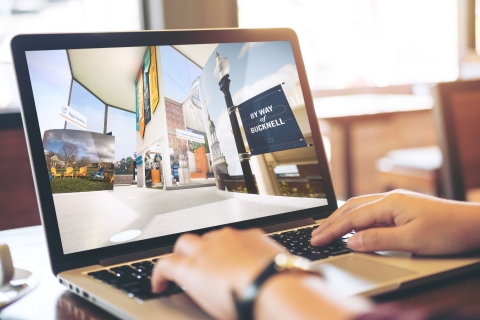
(372, 66)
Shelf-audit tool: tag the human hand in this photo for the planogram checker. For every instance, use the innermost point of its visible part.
(404, 221)
(212, 265)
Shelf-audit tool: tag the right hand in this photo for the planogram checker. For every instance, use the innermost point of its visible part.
(404, 221)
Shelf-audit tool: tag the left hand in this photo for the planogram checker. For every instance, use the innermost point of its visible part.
(212, 265)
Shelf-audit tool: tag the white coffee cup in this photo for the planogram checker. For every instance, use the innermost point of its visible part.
(6, 265)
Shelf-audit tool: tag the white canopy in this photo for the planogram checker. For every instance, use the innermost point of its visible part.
(110, 73)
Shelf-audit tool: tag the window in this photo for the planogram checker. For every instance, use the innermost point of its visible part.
(25, 16)
(359, 43)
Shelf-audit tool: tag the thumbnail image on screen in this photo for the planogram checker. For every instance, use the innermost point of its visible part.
(142, 142)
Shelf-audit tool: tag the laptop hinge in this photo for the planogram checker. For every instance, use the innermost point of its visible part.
(288, 225)
(135, 256)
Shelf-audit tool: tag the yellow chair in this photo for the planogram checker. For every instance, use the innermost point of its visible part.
(68, 172)
(82, 172)
(54, 173)
(112, 178)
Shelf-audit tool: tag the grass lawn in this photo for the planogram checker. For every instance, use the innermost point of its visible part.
(66, 185)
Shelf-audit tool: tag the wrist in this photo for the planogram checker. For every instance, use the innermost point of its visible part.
(301, 295)
(270, 294)
(245, 299)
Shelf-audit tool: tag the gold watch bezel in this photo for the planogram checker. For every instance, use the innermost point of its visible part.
(286, 261)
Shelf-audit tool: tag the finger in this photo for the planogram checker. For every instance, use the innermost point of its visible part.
(187, 244)
(167, 269)
(222, 232)
(380, 239)
(362, 217)
(349, 205)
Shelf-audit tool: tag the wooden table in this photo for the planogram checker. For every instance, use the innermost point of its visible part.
(346, 112)
(50, 300)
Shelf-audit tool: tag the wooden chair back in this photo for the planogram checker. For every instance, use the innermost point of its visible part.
(458, 121)
(18, 202)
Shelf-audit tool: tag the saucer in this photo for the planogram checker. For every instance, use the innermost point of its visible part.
(22, 283)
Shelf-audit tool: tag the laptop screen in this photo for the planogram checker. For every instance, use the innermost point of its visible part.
(143, 142)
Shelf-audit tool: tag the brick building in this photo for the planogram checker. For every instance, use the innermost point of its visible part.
(175, 120)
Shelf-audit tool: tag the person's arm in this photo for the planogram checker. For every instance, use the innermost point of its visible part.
(404, 221)
(304, 296)
(212, 265)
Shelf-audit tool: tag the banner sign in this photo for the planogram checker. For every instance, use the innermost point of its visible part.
(186, 135)
(139, 160)
(137, 110)
(269, 123)
(141, 120)
(74, 117)
(175, 171)
(153, 79)
(148, 169)
(146, 87)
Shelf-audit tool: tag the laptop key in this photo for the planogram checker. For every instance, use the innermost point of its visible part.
(315, 256)
(298, 242)
(134, 280)
(102, 275)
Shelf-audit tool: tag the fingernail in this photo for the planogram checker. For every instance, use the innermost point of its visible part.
(355, 242)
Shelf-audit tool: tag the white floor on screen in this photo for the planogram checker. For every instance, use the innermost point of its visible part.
(90, 220)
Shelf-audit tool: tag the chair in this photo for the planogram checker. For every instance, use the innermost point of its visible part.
(82, 172)
(416, 169)
(18, 201)
(99, 173)
(112, 178)
(457, 112)
(68, 172)
(53, 170)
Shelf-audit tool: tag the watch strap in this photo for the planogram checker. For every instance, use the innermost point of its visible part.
(245, 304)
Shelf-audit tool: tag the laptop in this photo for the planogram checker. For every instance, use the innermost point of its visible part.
(138, 137)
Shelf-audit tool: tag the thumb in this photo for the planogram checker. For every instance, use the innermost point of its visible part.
(378, 239)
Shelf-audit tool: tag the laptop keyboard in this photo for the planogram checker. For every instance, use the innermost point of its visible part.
(298, 243)
(134, 279)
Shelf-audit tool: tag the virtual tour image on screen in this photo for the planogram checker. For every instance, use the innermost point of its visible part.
(142, 142)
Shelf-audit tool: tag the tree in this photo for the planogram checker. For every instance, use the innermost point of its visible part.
(124, 165)
(84, 161)
(194, 145)
(68, 153)
(207, 148)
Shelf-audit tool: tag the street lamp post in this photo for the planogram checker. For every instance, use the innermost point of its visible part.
(221, 74)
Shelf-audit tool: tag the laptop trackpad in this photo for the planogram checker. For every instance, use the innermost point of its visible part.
(353, 275)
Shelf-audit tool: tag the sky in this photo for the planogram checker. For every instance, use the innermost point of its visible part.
(90, 144)
(51, 77)
(254, 68)
(178, 73)
(117, 122)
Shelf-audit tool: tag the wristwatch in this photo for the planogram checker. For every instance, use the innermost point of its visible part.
(244, 302)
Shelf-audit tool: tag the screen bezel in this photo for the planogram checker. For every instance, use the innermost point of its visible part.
(22, 43)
